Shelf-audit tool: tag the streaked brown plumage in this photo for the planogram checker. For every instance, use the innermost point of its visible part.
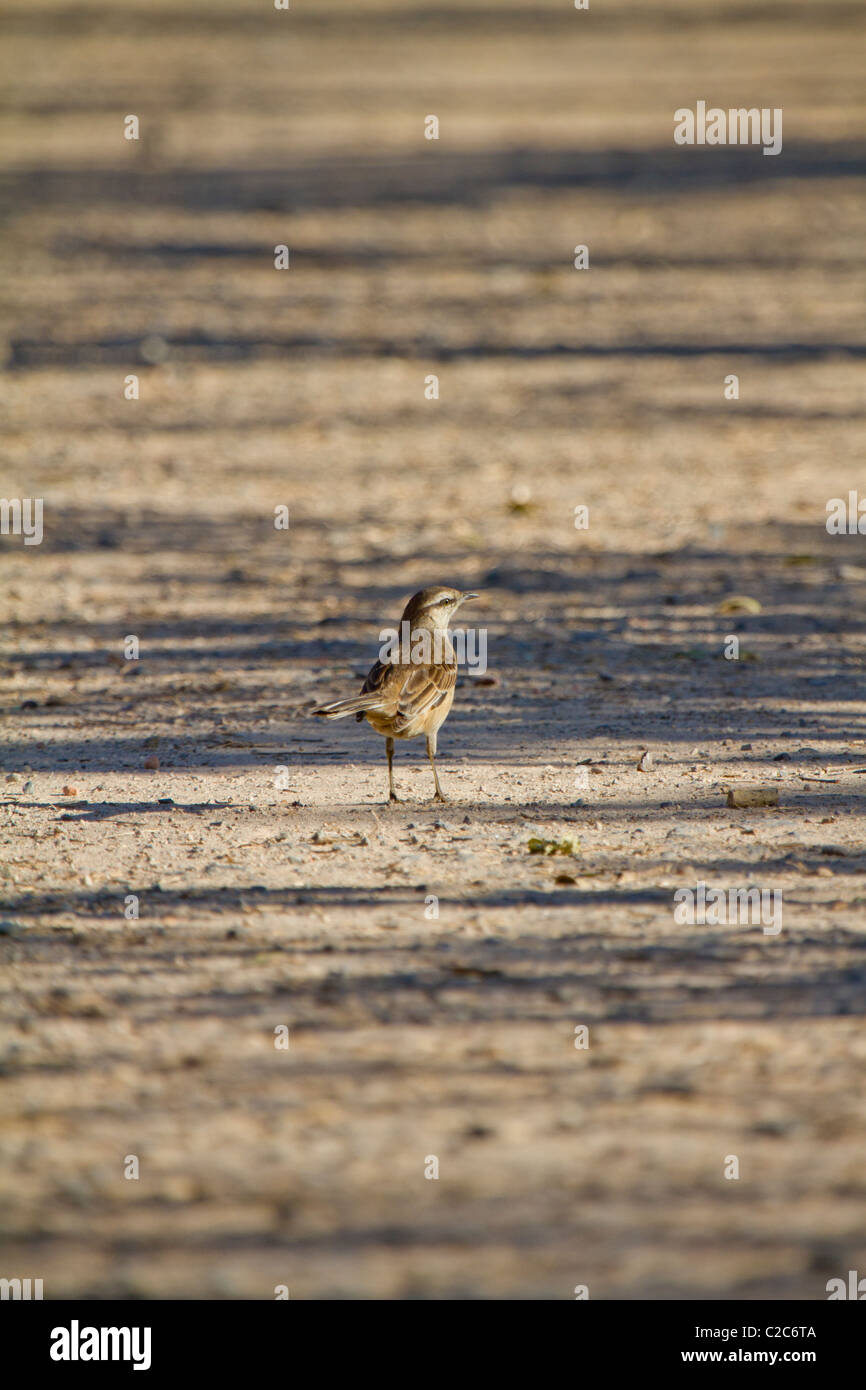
(404, 699)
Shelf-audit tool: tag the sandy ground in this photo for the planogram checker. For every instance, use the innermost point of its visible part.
(274, 887)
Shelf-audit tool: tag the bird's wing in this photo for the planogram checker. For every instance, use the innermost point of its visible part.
(424, 688)
(382, 680)
(377, 676)
(408, 691)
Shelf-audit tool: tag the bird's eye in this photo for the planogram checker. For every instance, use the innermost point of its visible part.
(443, 601)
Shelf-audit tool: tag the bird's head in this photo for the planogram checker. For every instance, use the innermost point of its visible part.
(434, 607)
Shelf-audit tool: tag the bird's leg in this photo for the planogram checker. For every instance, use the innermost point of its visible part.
(431, 754)
(389, 749)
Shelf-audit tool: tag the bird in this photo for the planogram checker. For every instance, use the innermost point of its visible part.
(412, 691)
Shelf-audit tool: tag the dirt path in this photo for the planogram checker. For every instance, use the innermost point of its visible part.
(273, 887)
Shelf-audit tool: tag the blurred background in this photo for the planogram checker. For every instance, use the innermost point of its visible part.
(306, 388)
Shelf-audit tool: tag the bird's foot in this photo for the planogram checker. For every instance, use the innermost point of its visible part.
(392, 796)
(439, 796)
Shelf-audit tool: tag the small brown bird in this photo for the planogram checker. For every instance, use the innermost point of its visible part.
(412, 691)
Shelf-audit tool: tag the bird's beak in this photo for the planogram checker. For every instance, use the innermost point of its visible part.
(464, 597)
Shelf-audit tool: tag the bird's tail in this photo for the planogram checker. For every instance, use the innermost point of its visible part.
(358, 704)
